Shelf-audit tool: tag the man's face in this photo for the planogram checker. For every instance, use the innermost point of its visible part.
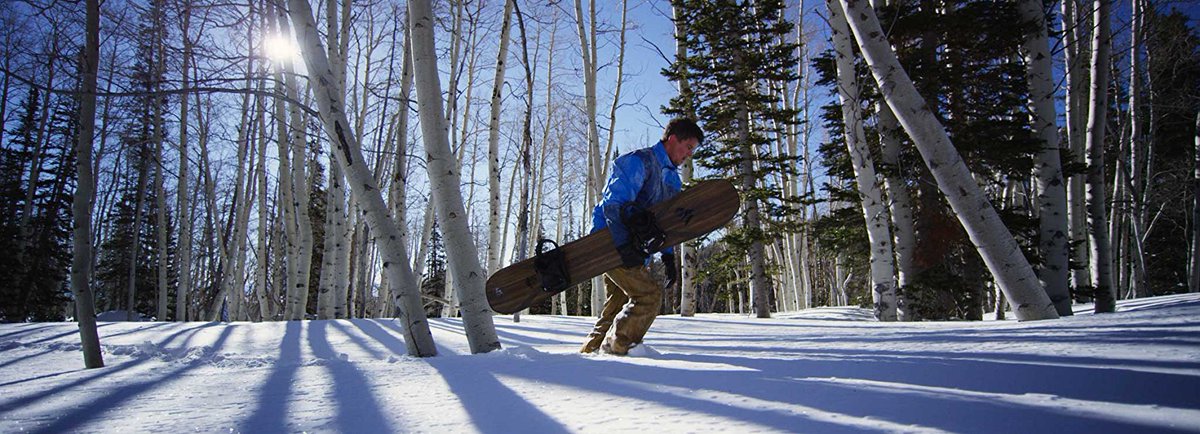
(680, 150)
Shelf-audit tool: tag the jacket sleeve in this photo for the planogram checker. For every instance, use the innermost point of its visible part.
(626, 180)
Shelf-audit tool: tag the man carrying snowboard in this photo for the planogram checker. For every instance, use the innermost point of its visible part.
(639, 179)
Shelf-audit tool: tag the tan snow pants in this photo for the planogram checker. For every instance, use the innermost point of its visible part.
(634, 299)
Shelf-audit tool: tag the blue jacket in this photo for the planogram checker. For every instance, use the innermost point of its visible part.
(645, 176)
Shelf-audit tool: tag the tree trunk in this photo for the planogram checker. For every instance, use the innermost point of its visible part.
(616, 102)
(399, 183)
(1101, 250)
(183, 189)
(333, 204)
(461, 252)
(759, 283)
(1052, 197)
(1075, 112)
(993, 240)
(1139, 153)
(85, 307)
(900, 201)
(418, 338)
(135, 251)
(587, 52)
(872, 202)
(1194, 275)
(688, 256)
(494, 241)
(264, 308)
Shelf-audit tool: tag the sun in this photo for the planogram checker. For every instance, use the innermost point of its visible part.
(280, 49)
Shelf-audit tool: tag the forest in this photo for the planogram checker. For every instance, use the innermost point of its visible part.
(275, 160)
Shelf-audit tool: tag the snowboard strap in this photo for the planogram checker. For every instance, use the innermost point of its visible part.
(551, 267)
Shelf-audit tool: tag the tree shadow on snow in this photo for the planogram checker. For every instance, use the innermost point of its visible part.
(358, 409)
(271, 414)
(792, 395)
(492, 406)
(75, 418)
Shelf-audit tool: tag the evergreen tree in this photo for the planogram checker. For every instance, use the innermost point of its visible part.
(1173, 63)
(13, 159)
(737, 54)
(962, 57)
(434, 283)
(34, 282)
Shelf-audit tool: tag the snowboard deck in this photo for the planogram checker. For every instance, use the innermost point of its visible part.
(695, 211)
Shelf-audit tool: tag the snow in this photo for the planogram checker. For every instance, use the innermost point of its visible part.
(822, 370)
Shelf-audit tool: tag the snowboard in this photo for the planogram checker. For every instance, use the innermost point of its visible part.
(695, 211)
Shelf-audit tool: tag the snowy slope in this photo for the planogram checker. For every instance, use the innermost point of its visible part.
(823, 370)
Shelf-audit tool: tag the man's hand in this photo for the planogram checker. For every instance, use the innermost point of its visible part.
(668, 260)
(631, 256)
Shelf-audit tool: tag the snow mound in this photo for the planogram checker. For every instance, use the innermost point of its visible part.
(518, 352)
(120, 316)
(643, 350)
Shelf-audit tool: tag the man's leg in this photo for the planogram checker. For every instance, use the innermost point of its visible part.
(616, 299)
(645, 295)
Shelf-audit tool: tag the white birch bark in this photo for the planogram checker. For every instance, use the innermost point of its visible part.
(183, 189)
(461, 252)
(399, 183)
(494, 241)
(81, 205)
(1052, 193)
(1098, 239)
(688, 256)
(325, 288)
(1138, 149)
(592, 194)
(341, 254)
(1075, 113)
(418, 338)
(993, 240)
(260, 277)
(160, 196)
(900, 205)
(900, 201)
(616, 102)
(883, 284)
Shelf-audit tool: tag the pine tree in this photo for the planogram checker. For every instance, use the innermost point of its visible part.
(736, 52)
(962, 59)
(35, 281)
(14, 157)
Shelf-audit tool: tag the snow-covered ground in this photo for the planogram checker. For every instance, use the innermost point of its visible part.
(823, 370)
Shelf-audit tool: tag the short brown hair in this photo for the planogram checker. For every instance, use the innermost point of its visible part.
(683, 128)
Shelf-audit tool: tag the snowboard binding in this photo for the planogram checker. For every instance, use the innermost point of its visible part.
(551, 267)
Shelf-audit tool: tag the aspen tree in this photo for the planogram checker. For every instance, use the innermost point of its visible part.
(1075, 113)
(1052, 194)
(348, 154)
(1098, 238)
(688, 256)
(1194, 272)
(494, 241)
(81, 206)
(260, 277)
(461, 252)
(993, 240)
(587, 50)
(870, 193)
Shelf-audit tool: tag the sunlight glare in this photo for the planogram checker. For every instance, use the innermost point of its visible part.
(280, 49)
